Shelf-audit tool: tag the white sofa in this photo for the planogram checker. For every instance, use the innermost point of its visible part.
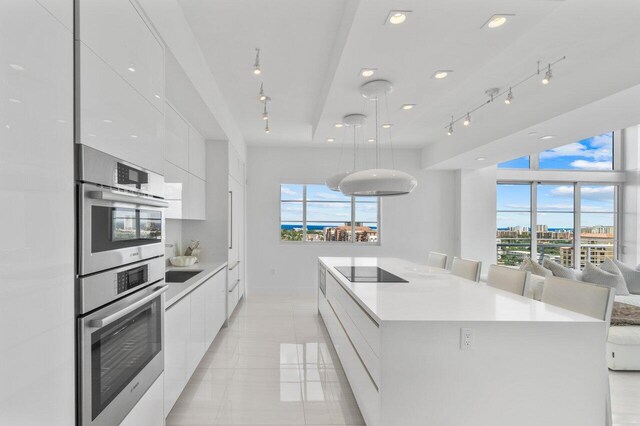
(623, 345)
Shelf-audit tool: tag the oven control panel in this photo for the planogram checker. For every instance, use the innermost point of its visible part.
(132, 278)
(128, 175)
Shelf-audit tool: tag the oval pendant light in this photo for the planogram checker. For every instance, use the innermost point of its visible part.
(333, 183)
(378, 183)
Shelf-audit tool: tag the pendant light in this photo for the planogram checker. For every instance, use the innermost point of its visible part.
(355, 121)
(377, 182)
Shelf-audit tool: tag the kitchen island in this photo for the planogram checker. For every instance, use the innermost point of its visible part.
(442, 350)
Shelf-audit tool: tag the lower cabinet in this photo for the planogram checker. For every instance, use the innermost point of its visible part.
(191, 324)
(149, 410)
(233, 291)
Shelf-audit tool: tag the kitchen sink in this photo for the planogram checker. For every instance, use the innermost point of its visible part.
(180, 276)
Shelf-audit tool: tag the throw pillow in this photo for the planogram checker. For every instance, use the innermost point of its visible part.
(631, 277)
(534, 267)
(559, 270)
(594, 275)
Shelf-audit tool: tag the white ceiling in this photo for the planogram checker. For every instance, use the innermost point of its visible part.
(312, 52)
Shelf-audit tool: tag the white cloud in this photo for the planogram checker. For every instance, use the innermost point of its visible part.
(598, 193)
(576, 149)
(286, 191)
(562, 191)
(591, 165)
(556, 207)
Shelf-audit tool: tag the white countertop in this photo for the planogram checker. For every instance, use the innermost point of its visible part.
(177, 291)
(433, 294)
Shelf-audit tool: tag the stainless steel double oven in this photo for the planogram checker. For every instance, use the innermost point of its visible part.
(120, 285)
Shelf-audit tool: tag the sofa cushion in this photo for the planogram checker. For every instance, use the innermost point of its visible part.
(534, 267)
(558, 270)
(631, 277)
(595, 275)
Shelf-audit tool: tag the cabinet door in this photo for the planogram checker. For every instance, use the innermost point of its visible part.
(114, 118)
(196, 340)
(176, 335)
(215, 305)
(196, 154)
(235, 196)
(195, 198)
(116, 32)
(177, 138)
(232, 297)
(175, 188)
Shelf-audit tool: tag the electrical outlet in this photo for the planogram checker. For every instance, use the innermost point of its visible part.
(466, 339)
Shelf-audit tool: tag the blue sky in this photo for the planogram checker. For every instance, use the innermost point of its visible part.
(324, 206)
(593, 153)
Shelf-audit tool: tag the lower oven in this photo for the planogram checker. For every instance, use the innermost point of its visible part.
(120, 355)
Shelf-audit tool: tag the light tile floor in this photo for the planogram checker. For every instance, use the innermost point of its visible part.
(275, 365)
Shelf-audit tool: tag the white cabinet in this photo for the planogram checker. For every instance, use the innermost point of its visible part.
(175, 183)
(215, 294)
(236, 240)
(191, 325)
(196, 347)
(149, 411)
(37, 190)
(197, 154)
(177, 333)
(115, 118)
(236, 165)
(195, 198)
(115, 31)
(176, 138)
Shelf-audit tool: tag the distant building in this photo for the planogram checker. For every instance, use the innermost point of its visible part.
(343, 233)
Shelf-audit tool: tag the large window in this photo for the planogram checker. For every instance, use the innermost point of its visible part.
(554, 211)
(314, 213)
(594, 153)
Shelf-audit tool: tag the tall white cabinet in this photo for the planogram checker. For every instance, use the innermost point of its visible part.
(37, 371)
(236, 231)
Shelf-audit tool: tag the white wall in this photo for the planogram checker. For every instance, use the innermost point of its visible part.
(630, 206)
(411, 225)
(476, 215)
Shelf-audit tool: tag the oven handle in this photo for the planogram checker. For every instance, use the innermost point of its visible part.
(99, 323)
(113, 196)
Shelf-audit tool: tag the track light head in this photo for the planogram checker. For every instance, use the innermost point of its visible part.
(547, 76)
(256, 65)
(467, 120)
(509, 97)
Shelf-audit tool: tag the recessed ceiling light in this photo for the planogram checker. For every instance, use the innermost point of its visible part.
(367, 72)
(497, 20)
(480, 159)
(331, 140)
(396, 17)
(134, 136)
(387, 125)
(371, 140)
(440, 74)
(408, 107)
(338, 125)
(157, 96)
(107, 121)
(132, 69)
(15, 101)
(547, 137)
(7, 126)
(16, 67)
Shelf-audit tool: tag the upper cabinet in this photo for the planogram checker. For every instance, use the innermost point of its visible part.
(115, 31)
(120, 89)
(196, 154)
(176, 138)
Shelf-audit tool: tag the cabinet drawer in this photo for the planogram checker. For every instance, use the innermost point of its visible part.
(116, 32)
(367, 327)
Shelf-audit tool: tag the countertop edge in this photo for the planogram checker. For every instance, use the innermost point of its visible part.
(209, 270)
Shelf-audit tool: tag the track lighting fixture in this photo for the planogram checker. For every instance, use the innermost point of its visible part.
(495, 92)
(265, 114)
(256, 65)
(509, 97)
(261, 96)
(266, 127)
(547, 76)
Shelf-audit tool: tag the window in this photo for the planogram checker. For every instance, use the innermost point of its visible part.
(314, 213)
(594, 153)
(555, 211)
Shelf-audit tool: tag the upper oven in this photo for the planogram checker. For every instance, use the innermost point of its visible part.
(121, 212)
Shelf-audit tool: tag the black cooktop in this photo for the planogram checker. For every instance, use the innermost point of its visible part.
(368, 274)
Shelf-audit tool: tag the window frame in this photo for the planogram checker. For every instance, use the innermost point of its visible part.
(304, 202)
(577, 208)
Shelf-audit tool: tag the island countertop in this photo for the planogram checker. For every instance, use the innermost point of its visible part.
(433, 294)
